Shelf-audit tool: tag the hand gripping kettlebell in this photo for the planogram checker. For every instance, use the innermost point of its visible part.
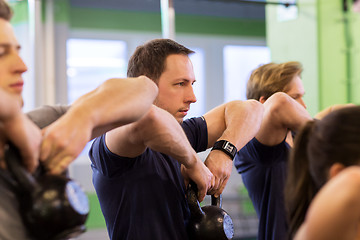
(53, 207)
(208, 222)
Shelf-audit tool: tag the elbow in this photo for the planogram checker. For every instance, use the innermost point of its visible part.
(252, 107)
(148, 86)
(278, 102)
(151, 117)
(249, 109)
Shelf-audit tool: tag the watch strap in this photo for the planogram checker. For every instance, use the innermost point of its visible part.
(226, 147)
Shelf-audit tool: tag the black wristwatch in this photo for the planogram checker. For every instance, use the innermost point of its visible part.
(225, 146)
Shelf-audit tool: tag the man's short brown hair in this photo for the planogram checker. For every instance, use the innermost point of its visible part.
(271, 78)
(149, 59)
(5, 11)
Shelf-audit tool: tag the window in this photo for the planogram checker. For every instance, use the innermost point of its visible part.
(90, 62)
(197, 109)
(239, 62)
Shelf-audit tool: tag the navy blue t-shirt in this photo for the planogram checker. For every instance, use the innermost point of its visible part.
(144, 197)
(263, 170)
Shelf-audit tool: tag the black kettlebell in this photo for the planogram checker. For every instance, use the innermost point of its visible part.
(53, 207)
(208, 222)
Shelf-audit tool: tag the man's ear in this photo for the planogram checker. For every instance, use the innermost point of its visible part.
(262, 99)
(335, 169)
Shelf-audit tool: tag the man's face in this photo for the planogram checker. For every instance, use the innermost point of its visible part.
(11, 65)
(176, 86)
(296, 90)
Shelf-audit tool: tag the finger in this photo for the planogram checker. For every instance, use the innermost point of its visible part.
(216, 192)
(55, 160)
(30, 158)
(45, 150)
(31, 163)
(213, 182)
(61, 166)
(216, 186)
(221, 189)
(212, 188)
(201, 194)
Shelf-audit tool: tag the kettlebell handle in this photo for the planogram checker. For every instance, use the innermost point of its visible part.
(216, 201)
(193, 202)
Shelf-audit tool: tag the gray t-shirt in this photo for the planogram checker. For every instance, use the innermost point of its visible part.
(45, 115)
(11, 226)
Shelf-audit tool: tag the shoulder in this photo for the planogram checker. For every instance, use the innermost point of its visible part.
(193, 123)
(347, 178)
(196, 132)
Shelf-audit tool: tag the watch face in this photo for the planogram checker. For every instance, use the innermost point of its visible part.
(77, 198)
(228, 146)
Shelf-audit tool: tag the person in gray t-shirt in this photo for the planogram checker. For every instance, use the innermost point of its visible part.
(67, 129)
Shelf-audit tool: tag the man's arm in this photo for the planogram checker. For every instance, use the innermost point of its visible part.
(282, 113)
(332, 108)
(160, 131)
(236, 122)
(114, 103)
(17, 128)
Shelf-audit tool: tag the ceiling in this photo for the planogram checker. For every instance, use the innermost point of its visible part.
(215, 8)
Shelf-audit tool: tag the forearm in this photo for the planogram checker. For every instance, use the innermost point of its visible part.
(161, 132)
(241, 121)
(332, 108)
(285, 112)
(116, 102)
(236, 122)
(281, 113)
(25, 136)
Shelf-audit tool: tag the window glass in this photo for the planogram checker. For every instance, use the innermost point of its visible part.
(239, 62)
(197, 109)
(90, 62)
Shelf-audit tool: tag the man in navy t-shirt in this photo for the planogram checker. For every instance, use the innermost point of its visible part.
(262, 163)
(140, 171)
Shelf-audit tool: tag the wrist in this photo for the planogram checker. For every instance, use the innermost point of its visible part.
(192, 160)
(226, 147)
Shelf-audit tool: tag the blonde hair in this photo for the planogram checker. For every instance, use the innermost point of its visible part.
(271, 78)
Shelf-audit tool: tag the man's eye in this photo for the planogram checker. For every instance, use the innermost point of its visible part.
(3, 51)
(181, 83)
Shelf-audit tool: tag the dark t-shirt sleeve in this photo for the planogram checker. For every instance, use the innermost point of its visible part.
(196, 132)
(106, 162)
